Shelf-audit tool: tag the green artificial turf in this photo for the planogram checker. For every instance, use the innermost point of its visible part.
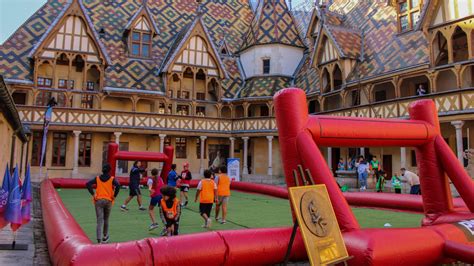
(245, 210)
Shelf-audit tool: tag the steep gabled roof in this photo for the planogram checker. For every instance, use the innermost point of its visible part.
(143, 11)
(67, 10)
(181, 40)
(272, 23)
(347, 41)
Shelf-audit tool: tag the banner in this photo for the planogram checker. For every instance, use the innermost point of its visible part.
(47, 119)
(26, 197)
(4, 192)
(233, 169)
(321, 234)
(13, 212)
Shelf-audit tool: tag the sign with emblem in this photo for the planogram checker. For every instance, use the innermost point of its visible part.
(233, 168)
(318, 224)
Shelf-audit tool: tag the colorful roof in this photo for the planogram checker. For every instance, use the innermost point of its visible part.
(273, 23)
(264, 86)
(348, 41)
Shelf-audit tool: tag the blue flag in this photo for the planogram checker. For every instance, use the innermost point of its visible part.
(26, 197)
(4, 190)
(47, 119)
(13, 212)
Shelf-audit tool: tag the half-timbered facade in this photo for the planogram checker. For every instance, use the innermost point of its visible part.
(200, 75)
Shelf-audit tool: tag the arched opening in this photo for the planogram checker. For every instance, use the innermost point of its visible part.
(213, 90)
(210, 110)
(145, 106)
(45, 75)
(314, 107)
(460, 48)
(164, 108)
(332, 102)
(468, 77)
(93, 79)
(186, 84)
(383, 92)
(337, 78)
(419, 85)
(352, 98)
(259, 110)
(226, 112)
(446, 81)
(117, 104)
(326, 84)
(175, 85)
(239, 111)
(76, 73)
(20, 97)
(63, 74)
(201, 85)
(183, 109)
(440, 50)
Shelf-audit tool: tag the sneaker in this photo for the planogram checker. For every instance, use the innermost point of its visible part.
(217, 219)
(185, 203)
(164, 232)
(142, 208)
(153, 226)
(105, 239)
(123, 208)
(223, 221)
(209, 222)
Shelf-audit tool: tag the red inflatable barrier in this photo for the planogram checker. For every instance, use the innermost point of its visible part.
(300, 137)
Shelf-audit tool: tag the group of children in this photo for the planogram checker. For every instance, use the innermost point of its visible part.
(214, 188)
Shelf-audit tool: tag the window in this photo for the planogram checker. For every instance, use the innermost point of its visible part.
(408, 14)
(182, 110)
(264, 111)
(43, 98)
(181, 148)
(90, 86)
(200, 96)
(62, 84)
(413, 158)
(61, 99)
(59, 149)
(200, 110)
(266, 66)
(87, 101)
(140, 43)
(170, 93)
(355, 97)
(85, 146)
(198, 148)
(45, 82)
(183, 94)
(19, 97)
(36, 149)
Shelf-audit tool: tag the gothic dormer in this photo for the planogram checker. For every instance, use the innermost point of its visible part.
(139, 33)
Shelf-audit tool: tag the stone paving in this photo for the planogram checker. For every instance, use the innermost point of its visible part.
(31, 234)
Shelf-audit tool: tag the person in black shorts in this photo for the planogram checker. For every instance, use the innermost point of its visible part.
(134, 187)
(170, 211)
(207, 195)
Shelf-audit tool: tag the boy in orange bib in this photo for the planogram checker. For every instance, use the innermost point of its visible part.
(207, 194)
(106, 191)
(223, 193)
(170, 210)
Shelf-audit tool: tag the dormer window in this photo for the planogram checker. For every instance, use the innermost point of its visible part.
(140, 39)
(408, 14)
(266, 66)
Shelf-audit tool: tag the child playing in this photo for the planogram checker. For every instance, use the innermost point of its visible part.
(155, 183)
(185, 180)
(207, 194)
(106, 191)
(172, 176)
(223, 193)
(381, 181)
(397, 183)
(341, 166)
(170, 210)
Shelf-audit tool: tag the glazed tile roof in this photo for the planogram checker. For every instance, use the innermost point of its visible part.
(264, 86)
(307, 77)
(348, 41)
(273, 23)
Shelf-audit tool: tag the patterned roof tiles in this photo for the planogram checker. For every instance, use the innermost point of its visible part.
(348, 41)
(264, 86)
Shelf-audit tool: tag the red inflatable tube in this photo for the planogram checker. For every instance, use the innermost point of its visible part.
(461, 252)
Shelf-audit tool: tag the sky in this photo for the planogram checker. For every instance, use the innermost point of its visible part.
(13, 13)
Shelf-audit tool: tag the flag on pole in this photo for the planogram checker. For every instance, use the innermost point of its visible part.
(47, 119)
(4, 191)
(13, 212)
(26, 197)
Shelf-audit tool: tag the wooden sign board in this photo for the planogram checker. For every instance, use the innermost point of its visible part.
(318, 225)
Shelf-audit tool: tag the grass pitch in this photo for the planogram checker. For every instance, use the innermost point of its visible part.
(245, 210)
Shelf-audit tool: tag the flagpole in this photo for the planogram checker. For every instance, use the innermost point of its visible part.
(14, 240)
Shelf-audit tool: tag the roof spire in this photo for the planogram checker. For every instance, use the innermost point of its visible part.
(200, 8)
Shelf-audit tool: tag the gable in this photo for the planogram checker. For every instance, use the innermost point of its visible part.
(142, 24)
(328, 51)
(450, 10)
(196, 53)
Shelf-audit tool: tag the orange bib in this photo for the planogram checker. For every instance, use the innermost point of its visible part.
(207, 191)
(223, 186)
(104, 190)
(170, 213)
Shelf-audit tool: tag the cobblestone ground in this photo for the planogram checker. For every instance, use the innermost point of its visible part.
(31, 234)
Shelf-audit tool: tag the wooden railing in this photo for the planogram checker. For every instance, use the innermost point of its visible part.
(448, 103)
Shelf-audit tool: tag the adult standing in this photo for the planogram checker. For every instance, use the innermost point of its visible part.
(107, 189)
(134, 186)
(413, 180)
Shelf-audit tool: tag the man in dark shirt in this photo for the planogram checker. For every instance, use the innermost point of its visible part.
(134, 187)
